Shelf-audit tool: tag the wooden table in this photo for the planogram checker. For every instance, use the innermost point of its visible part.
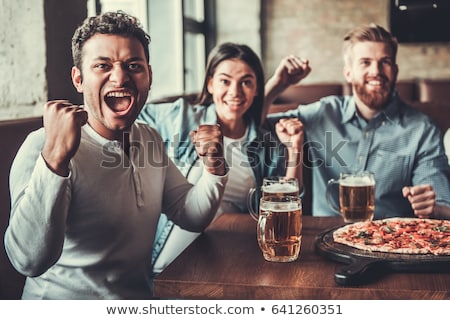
(226, 263)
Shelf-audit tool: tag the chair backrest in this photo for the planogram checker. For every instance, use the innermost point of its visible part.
(12, 135)
(308, 93)
(439, 112)
(189, 97)
(434, 90)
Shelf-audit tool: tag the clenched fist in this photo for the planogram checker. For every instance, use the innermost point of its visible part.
(291, 70)
(208, 141)
(290, 133)
(62, 124)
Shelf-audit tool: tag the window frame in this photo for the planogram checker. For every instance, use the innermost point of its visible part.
(206, 28)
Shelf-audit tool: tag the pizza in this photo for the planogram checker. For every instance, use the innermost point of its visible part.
(397, 235)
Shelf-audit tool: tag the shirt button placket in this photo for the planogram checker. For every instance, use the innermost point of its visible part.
(364, 147)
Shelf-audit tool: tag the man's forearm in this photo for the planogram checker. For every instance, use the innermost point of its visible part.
(272, 90)
(294, 165)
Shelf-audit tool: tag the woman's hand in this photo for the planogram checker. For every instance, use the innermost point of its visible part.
(208, 141)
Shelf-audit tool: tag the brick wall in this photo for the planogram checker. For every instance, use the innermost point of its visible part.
(22, 58)
(315, 29)
(239, 21)
(35, 55)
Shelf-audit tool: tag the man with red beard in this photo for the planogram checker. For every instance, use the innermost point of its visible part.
(373, 130)
(87, 190)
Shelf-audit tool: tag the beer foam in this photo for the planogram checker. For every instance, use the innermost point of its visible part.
(280, 188)
(357, 182)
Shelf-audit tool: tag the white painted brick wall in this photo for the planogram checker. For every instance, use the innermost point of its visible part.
(22, 58)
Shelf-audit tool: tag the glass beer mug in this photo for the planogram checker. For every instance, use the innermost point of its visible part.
(279, 228)
(273, 187)
(356, 196)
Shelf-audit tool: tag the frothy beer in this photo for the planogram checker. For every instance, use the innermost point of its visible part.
(357, 198)
(280, 230)
(279, 190)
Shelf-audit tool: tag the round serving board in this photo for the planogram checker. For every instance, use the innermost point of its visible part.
(364, 265)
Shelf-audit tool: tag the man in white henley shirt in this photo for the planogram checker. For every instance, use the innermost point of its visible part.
(88, 188)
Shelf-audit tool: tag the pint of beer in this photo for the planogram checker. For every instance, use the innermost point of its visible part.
(279, 228)
(356, 196)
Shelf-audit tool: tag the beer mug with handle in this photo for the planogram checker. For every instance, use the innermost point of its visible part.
(279, 228)
(276, 186)
(356, 196)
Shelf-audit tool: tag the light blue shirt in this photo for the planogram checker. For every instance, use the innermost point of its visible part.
(400, 145)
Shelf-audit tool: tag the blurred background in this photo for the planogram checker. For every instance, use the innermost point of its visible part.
(35, 56)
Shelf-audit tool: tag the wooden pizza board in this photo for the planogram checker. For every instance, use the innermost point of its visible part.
(363, 266)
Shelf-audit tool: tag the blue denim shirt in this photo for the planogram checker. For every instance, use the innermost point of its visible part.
(400, 145)
(174, 121)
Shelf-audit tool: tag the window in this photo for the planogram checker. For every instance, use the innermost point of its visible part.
(194, 44)
(199, 38)
(137, 8)
(182, 32)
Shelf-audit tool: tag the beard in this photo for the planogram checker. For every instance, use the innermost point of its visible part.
(375, 100)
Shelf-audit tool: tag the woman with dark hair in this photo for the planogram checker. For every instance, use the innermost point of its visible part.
(233, 97)
(242, 53)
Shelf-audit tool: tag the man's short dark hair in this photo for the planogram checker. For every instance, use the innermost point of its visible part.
(117, 22)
